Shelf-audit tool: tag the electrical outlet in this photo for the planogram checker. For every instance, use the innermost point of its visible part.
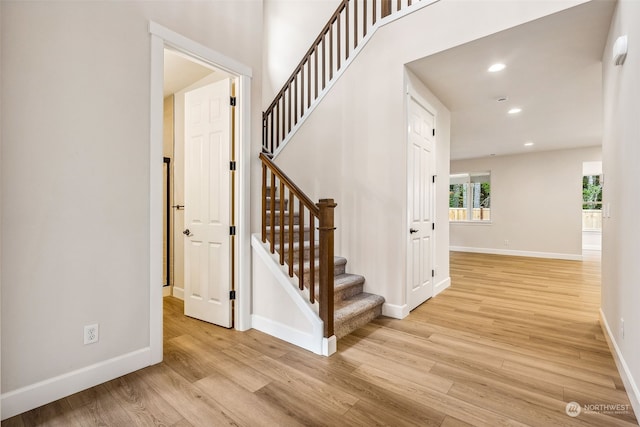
(621, 328)
(506, 243)
(91, 333)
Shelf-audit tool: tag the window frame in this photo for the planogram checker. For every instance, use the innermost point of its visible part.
(468, 177)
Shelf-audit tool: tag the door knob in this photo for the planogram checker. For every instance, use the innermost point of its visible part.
(411, 230)
(187, 232)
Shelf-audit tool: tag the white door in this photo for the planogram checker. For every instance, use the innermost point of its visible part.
(420, 189)
(207, 253)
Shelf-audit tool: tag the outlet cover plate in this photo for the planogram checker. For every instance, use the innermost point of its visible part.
(91, 333)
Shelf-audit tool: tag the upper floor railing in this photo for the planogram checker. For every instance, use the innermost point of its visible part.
(343, 33)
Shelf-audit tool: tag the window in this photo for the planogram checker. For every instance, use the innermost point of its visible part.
(470, 196)
(591, 203)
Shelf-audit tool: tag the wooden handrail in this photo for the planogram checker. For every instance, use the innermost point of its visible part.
(321, 63)
(290, 184)
(275, 180)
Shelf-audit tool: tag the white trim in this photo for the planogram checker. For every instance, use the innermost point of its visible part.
(625, 373)
(162, 37)
(592, 247)
(178, 292)
(23, 399)
(441, 286)
(286, 333)
(166, 291)
(395, 311)
(329, 345)
(509, 252)
(243, 182)
(155, 199)
(199, 51)
(352, 56)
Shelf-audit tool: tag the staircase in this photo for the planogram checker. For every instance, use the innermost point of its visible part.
(289, 218)
(294, 239)
(353, 307)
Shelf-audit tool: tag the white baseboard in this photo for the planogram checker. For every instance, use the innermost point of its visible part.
(441, 286)
(166, 291)
(630, 384)
(178, 292)
(26, 398)
(329, 345)
(395, 311)
(286, 333)
(509, 252)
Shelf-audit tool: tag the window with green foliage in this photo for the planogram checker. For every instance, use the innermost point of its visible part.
(591, 192)
(470, 196)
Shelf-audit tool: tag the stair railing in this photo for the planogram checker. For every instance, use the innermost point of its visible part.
(342, 34)
(279, 195)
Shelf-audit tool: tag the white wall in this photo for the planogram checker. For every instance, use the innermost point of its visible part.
(352, 148)
(621, 231)
(536, 204)
(75, 168)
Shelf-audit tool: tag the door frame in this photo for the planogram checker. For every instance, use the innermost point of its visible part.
(412, 93)
(162, 37)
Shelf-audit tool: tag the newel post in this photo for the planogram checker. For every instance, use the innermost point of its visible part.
(326, 229)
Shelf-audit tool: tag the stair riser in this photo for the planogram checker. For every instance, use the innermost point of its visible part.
(344, 293)
(296, 218)
(338, 269)
(286, 204)
(348, 292)
(358, 321)
(296, 236)
(296, 253)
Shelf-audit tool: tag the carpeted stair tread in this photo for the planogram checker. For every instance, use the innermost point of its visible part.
(338, 261)
(355, 305)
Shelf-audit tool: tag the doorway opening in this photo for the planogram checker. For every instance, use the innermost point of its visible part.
(229, 159)
(592, 209)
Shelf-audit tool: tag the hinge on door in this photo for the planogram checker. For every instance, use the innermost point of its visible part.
(232, 165)
(232, 101)
(434, 131)
(433, 225)
(232, 230)
(433, 179)
(433, 273)
(232, 295)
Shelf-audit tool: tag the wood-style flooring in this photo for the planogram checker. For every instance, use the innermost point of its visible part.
(511, 342)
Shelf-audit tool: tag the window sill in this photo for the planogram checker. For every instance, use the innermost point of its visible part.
(470, 222)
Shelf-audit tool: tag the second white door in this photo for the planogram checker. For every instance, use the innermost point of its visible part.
(207, 263)
(420, 183)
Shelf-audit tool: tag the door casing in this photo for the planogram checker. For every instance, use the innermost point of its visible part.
(161, 38)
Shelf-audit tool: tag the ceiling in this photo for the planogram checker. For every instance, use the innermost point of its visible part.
(181, 71)
(553, 73)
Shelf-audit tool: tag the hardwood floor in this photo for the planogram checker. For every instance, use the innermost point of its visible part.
(511, 342)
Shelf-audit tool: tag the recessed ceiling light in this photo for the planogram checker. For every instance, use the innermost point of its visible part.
(528, 144)
(496, 67)
(515, 110)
